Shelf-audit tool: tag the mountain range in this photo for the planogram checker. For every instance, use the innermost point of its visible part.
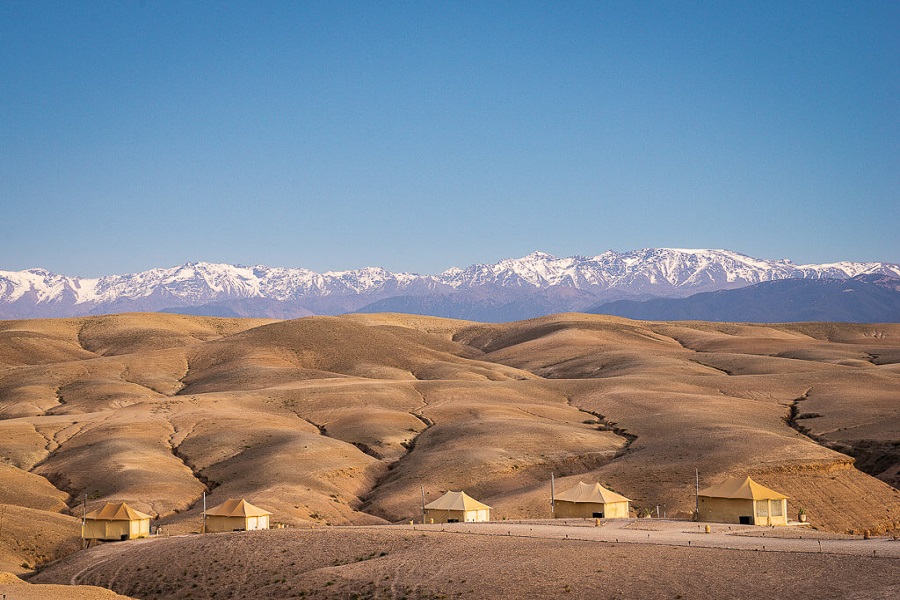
(510, 289)
(860, 299)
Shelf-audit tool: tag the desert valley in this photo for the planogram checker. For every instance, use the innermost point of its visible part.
(449, 300)
(330, 422)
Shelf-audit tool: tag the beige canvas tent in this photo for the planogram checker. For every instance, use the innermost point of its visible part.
(236, 515)
(116, 521)
(590, 502)
(457, 507)
(741, 500)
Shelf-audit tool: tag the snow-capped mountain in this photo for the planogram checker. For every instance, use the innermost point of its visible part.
(652, 270)
(534, 284)
(37, 292)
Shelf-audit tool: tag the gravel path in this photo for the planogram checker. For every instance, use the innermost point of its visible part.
(679, 533)
(653, 560)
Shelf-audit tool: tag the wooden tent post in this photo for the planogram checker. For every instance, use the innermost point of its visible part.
(83, 518)
(697, 494)
(552, 496)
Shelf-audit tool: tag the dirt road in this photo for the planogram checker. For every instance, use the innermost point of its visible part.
(504, 560)
(662, 532)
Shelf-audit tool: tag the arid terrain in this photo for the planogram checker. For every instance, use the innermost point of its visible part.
(502, 560)
(14, 588)
(345, 420)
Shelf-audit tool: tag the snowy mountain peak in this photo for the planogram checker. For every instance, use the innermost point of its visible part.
(537, 255)
(672, 272)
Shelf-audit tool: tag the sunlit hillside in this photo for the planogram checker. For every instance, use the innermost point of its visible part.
(344, 420)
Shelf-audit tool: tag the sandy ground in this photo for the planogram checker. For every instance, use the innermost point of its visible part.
(494, 560)
(13, 588)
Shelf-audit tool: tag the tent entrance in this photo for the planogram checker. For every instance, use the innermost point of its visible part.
(598, 515)
(745, 520)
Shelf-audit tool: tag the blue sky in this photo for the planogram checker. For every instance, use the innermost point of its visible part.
(422, 135)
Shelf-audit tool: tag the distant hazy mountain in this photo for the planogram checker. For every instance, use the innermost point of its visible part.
(509, 289)
(861, 299)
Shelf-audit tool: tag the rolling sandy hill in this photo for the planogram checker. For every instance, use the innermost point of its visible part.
(14, 588)
(496, 561)
(347, 420)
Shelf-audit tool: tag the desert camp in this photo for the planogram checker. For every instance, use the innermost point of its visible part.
(236, 515)
(586, 501)
(457, 507)
(116, 521)
(743, 501)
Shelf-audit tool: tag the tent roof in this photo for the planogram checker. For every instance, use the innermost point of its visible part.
(116, 511)
(585, 492)
(236, 508)
(745, 488)
(456, 501)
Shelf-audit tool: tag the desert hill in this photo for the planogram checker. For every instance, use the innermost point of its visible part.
(345, 420)
(13, 587)
(535, 561)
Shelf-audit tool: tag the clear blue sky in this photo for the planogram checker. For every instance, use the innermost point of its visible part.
(423, 135)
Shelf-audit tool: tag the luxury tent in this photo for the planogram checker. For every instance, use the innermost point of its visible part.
(457, 507)
(236, 515)
(586, 501)
(116, 521)
(743, 501)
